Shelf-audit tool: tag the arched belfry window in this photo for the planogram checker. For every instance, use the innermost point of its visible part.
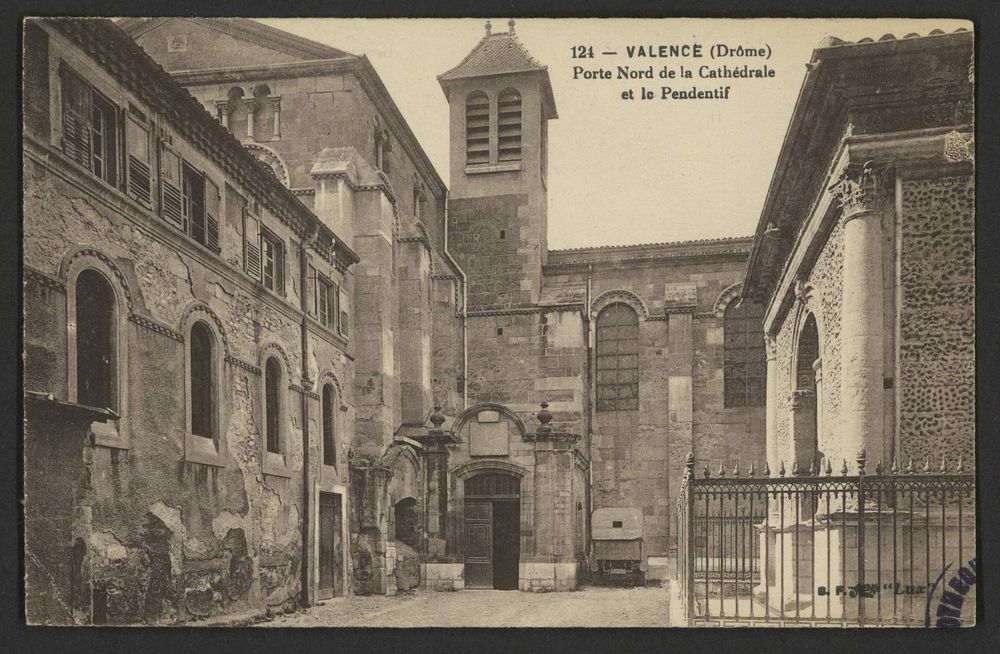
(477, 129)
(509, 126)
(204, 385)
(745, 362)
(272, 405)
(96, 341)
(618, 358)
(328, 399)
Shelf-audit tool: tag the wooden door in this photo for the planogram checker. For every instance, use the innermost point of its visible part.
(478, 544)
(329, 545)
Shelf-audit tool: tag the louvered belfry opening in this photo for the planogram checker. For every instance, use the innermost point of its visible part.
(477, 129)
(509, 126)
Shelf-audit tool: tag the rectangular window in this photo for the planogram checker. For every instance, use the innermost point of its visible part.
(326, 302)
(138, 163)
(193, 202)
(272, 261)
(91, 126)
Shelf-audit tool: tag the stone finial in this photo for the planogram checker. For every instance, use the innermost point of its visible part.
(689, 462)
(437, 418)
(510, 26)
(544, 417)
(862, 458)
(489, 28)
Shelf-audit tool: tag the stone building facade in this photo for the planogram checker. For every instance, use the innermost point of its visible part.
(865, 261)
(188, 389)
(448, 400)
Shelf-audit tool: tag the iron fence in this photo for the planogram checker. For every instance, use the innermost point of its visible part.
(823, 548)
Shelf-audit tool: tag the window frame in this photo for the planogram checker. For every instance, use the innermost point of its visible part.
(113, 433)
(274, 463)
(478, 160)
(328, 444)
(614, 404)
(737, 369)
(277, 261)
(208, 450)
(515, 138)
(113, 131)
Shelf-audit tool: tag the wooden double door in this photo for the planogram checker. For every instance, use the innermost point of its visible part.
(492, 536)
(331, 550)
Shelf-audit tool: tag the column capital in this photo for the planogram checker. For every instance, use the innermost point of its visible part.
(770, 347)
(861, 189)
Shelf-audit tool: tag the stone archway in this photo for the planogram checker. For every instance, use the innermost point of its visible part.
(805, 400)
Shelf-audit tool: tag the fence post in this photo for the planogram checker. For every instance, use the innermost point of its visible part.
(861, 537)
(689, 519)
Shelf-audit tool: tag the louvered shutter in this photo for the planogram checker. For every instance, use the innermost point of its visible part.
(212, 200)
(172, 204)
(279, 268)
(251, 243)
(311, 292)
(342, 324)
(76, 107)
(137, 148)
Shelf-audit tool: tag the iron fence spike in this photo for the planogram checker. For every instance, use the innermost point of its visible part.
(878, 467)
(944, 465)
(795, 467)
(706, 473)
(736, 469)
(751, 472)
(861, 460)
(781, 469)
(843, 468)
(812, 468)
(959, 468)
(927, 464)
(909, 466)
(895, 466)
(829, 468)
(767, 470)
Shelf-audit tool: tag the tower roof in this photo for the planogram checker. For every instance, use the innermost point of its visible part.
(500, 53)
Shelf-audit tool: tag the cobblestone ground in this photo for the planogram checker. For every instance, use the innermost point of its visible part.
(589, 607)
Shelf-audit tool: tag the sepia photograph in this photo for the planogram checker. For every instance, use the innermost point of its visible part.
(506, 322)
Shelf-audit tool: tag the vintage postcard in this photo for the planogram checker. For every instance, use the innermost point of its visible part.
(502, 323)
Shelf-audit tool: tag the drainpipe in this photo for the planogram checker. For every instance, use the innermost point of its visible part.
(590, 408)
(306, 388)
(465, 304)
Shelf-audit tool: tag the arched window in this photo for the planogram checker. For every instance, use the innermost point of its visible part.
(329, 434)
(203, 382)
(744, 360)
(96, 341)
(509, 126)
(477, 129)
(272, 405)
(618, 358)
(236, 112)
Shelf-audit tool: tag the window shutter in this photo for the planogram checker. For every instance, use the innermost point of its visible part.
(251, 243)
(212, 215)
(172, 205)
(137, 148)
(76, 106)
(311, 287)
(342, 305)
(279, 268)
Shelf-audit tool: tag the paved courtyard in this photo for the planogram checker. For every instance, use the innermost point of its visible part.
(590, 607)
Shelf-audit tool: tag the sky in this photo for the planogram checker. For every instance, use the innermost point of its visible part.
(623, 171)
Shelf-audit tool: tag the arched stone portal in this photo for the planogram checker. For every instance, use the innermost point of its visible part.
(805, 432)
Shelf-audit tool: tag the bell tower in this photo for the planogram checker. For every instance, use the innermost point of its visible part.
(500, 101)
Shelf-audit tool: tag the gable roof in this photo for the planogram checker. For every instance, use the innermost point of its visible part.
(501, 53)
(248, 30)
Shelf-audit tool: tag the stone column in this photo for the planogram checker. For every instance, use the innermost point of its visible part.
(222, 108)
(276, 108)
(436, 443)
(771, 415)
(860, 192)
(251, 106)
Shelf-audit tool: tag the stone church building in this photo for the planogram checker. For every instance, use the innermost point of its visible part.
(272, 358)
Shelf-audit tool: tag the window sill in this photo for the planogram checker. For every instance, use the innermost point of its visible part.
(204, 450)
(506, 167)
(107, 434)
(274, 464)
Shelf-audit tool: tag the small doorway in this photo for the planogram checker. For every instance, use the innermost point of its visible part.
(330, 547)
(492, 531)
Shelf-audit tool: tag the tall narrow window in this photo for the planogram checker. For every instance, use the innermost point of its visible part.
(477, 129)
(272, 261)
(96, 341)
(138, 166)
(203, 382)
(329, 436)
(272, 405)
(618, 358)
(509, 126)
(90, 127)
(744, 359)
(193, 202)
